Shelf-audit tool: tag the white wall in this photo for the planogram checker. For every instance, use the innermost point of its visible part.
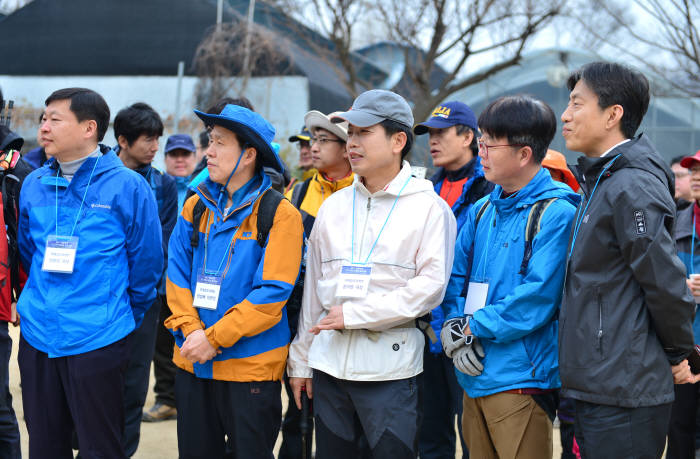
(281, 100)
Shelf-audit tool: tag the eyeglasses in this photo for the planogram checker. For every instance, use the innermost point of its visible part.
(485, 148)
(324, 140)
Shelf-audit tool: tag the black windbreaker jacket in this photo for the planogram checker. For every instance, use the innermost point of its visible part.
(626, 311)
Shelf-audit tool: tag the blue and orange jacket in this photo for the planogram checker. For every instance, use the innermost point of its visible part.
(117, 264)
(249, 326)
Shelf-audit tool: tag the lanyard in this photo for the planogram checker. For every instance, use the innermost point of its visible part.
(483, 261)
(352, 247)
(692, 248)
(206, 247)
(580, 217)
(81, 202)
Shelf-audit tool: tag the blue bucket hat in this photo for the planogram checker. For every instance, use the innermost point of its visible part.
(446, 115)
(252, 129)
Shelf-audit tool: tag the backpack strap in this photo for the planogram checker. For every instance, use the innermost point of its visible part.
(533, 227)
(266, 214)
(299, 192)
(470, 255)
(9, 202)
(197, 212)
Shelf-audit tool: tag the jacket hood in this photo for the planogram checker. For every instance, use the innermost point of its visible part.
(542, 186)
(638, 153)
(403, 183)
(683, 226)
(9, 140)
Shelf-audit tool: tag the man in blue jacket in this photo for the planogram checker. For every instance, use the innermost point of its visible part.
(137, 129)
(86, 240)
(460, 181)
(505, 289)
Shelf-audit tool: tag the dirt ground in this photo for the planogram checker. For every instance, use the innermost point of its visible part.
(158, 440)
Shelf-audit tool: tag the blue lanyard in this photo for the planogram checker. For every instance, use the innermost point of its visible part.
(206, 247)
(692, 248)
(352, 247)
(484, 260)
(77, 217)
(580, 217)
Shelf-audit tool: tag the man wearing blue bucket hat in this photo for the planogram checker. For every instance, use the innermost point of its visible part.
(233, 259)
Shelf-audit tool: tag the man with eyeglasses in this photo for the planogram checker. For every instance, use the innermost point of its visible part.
(505, 289)
(333, 173)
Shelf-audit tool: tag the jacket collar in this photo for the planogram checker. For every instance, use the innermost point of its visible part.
(393, 188)
(540, 187)
(471, 169)
(211, 194)
(333, 185)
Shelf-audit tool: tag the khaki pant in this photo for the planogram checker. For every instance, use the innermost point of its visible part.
(506, 426)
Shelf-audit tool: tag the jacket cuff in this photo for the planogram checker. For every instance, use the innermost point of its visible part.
(477, 330)
(297, 371)
(676, 356)
(188, 328)
(349, 320)
(211, 336)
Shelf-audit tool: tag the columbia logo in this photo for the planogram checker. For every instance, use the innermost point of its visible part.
(101, 206)
(247, 234)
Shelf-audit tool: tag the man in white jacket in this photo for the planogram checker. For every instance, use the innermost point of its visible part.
(380, 255)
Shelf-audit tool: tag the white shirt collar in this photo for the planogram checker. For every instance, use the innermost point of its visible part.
(614, 147)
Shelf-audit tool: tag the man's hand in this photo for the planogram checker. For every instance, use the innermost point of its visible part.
(197, 348)
(14, 317)
(333, 321)
(694, 285)
(682, 374)
(297, 384)
(467, 358)
(452, 334)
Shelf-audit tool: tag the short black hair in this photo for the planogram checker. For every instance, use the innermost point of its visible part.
(521, 119)
(392, 127)
(463, 129)
(616, 84)
(221, 103)
(136, 120)
(85, 104)
(204, 139)
(676, 160)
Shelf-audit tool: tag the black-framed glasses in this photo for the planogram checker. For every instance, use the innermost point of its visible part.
(483, 147)
(324, 140)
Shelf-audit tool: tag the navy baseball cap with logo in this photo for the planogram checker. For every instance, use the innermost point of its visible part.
(304, 135)
(179, 142)
(446, 115)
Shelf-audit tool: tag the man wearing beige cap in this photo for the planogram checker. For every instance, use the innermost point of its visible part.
(332, 173)
(379, 256)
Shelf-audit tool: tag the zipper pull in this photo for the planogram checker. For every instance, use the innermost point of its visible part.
(369, 202)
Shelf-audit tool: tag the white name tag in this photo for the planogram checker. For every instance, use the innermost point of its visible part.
(206, 293)
(354, 281)
(59, 256)
(476, 297)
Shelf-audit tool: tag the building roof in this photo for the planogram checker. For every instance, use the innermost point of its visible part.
(137, 37)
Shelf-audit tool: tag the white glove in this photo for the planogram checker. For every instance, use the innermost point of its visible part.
(467, 358)
(452, 334)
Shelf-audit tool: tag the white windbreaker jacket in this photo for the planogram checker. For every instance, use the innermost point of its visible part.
(411, 264)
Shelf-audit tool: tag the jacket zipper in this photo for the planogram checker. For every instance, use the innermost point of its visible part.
(364, 228)
(600, 325)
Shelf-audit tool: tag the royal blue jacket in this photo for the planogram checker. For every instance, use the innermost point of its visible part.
(118, 262)
(688, 249)
(473, 189)
(518, 325)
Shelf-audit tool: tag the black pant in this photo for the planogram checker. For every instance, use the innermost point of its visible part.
(291, 429)
(442, 404)
(83, 392)
(249, 414)
(142, 341)
(9, 431)
(163, 366)
(613, 432)
(388, 413)
(681, 433)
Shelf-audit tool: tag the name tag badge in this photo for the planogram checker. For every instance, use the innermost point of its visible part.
(206, 293)
(354, 281)
(476, 297)
(59, 256)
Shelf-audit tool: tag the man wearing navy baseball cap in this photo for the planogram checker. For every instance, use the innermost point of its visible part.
(460, 181)
(380, 254)
(180, 162)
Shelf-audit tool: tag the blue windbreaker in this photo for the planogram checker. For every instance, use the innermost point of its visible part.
(473, 189)
(688, 249)
(518, 325)
(118, 262)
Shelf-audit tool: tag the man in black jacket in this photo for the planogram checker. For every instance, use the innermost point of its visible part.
(626, 319)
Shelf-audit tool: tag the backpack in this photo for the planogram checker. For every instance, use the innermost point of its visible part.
(267, 209)
(532, 227)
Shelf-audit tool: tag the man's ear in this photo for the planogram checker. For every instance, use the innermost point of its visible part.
(398, 141)
(614, 116)
(121, 140)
